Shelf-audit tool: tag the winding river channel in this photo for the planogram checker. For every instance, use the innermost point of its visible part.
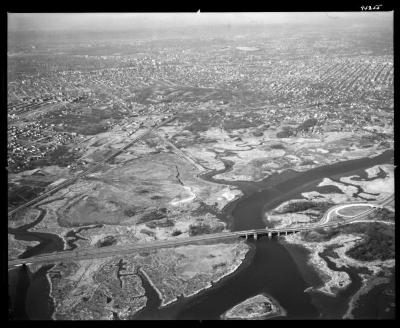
(271, 267)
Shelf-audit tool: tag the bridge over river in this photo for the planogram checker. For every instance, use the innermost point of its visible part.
(125, 249)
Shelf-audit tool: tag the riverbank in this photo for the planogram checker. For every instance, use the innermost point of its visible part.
(192, 268)
(367, 286)
(334, 281)
(17, 247)
(182, 271)
(234, 270)
(183, 298)
(248, 217)
(255, 308)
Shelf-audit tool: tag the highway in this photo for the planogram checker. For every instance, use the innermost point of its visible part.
(87, 171)
(118, 250)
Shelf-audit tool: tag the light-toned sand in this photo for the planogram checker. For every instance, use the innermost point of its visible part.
(254, 308)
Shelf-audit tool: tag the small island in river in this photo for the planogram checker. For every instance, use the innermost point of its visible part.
(255, 308)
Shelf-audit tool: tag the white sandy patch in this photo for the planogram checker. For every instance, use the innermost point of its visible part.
(288, 219)
(247, 48)
(372, 172)
(227, 195)
(232, 176)
(367, 196)
(221, 196)
(384, 187)
(190, 198)
(56, 183)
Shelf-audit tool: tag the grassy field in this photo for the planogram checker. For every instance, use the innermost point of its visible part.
(352, 211)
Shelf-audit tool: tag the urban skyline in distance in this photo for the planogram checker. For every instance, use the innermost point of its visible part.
(200, 166)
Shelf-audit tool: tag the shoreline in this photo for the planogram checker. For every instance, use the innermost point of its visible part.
(244, 263)
(154, 287)
(329, 277)
(260, 183)
(229, 207)
(212, 284)
(366, 287)
(226, 211)
(51, 297)
(332, 281)
(277, 310)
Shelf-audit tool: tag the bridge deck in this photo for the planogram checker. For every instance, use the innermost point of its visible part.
(88, 253)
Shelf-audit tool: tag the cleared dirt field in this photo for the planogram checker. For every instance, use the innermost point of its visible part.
(143, 189)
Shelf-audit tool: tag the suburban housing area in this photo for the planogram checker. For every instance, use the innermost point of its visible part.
(202, 173)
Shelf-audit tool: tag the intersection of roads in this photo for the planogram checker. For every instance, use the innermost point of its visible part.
(327, 220)
(118, 250)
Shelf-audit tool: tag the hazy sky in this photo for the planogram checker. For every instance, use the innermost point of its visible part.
(121, 21)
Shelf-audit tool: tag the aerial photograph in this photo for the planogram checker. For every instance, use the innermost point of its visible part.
(200, 166)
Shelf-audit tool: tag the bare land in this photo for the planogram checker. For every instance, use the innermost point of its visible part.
(246, 107)
(255, 308)
(106, 289)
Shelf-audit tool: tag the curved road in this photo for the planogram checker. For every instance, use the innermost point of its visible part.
(90, 169)
(108, 251)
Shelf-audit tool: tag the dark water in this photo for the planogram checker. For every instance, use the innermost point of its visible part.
(39, 306)
(335, 307)
(19, 280)
(29, 292)
(152, 304)
(376, 304)
(299, 255)
(248, 211)
(47, 242)
(74, 236)
(284, 282)
(272, 269)
(275, 269)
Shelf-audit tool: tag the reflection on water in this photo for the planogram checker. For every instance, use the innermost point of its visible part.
(273, 269)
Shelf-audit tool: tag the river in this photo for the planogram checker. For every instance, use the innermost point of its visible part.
(274, 268)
